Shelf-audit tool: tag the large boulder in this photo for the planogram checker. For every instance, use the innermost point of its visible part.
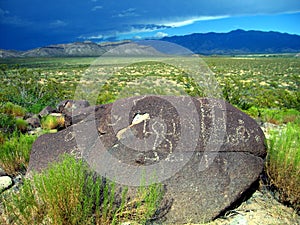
(207, 153)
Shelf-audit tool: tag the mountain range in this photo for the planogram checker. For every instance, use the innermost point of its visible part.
(239, 42)
(232, 43)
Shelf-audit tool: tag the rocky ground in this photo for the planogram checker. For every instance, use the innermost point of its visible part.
(261, 209)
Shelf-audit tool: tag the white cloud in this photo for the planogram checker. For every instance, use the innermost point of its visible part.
(181, 23)
(97, 7)
(127, 13)
(137, 37)
(161, 35)
(58, 23)
(89, 37)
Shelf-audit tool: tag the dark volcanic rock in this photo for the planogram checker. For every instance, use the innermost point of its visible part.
(34, 122)
(46, 111)
(69, 105)
(206, 152)
(74, 110)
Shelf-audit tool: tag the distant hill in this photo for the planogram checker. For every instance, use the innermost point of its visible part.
(239, 42)
(81, 49)
(232, 43)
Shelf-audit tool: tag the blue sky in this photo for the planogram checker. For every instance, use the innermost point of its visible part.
(26, 24)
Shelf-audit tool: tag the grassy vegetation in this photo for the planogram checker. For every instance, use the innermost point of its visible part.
(265, 88)
(15, 152)
(12, 109)
(259, 82)
(275, 116)
(69, 193)
(11, 118)
(28, 89)
(283, 163)
(245, 82)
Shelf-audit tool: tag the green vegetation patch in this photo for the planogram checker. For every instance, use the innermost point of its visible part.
(15, 152)
(69, 193)
(283, 163)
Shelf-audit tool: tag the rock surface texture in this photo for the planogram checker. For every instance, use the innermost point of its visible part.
(207, 153)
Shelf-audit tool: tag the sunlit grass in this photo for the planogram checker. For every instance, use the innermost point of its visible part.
(283, 163)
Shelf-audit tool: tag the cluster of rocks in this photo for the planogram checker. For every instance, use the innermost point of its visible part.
(63, 110)
(207, 154)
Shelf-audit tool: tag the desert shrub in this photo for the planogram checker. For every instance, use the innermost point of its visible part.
(51, 122)
(15, 152)
(11, 118)
(283, 163)
(7, 123)
(69, 193)
(21, 124)
(23, 87)
(282, 116)
(12, 109)
(275, 116)
(235, 93)
(276, 98)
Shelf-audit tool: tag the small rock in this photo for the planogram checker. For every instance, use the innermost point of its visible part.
(18, 182)
(126, 223)
(34, 122)
(5, 183)
(46, 111)
(18, 179)
(56, 115)
(38, 131)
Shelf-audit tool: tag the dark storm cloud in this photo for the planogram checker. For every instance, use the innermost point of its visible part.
(81, 19)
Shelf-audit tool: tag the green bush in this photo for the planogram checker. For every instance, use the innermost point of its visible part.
(12, 109)
(52, 122)
(21, 124)
(282, 116)
(7, 123)
(283, 163)
(49, 122)
(11, 118)
(15, 152)
(275, 116)
(24, 87)
(69, 193)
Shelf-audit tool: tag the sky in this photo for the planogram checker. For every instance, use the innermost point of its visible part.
(27, 24)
